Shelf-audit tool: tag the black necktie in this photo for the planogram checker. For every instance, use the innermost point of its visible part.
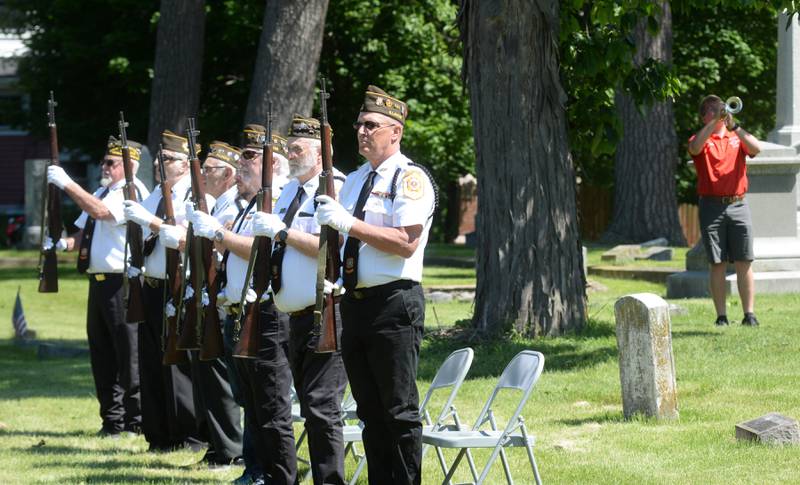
(84, 253)
(350, 276)
(150, 242)
(280, 247)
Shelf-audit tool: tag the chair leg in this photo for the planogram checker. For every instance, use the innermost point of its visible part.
(506, 469)
(529, 450)
(472, 468)
(489, 463)
(452, 471)
(442, 461)
(361, 462)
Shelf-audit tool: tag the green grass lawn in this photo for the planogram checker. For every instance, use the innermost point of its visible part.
(48, 413)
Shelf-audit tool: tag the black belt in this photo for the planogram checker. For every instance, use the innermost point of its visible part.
(309, 309)
(153, 282)
(724, 199)
(301, 313)
(373, 291)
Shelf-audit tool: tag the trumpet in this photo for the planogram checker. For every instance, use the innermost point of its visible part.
(732, 106)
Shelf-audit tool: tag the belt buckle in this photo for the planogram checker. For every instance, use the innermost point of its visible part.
(358, 295)
(99, 277)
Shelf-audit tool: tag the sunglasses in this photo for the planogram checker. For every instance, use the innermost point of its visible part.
(250, 154)
(109, 163)
(370, 126)
(205, 170)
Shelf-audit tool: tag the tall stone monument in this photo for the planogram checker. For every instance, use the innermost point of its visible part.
(772, 193)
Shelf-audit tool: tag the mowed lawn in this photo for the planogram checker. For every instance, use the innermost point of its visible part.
(48, 414)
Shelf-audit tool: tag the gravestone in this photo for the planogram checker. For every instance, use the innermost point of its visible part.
(646, 364)
(467, 208)
(772, 428)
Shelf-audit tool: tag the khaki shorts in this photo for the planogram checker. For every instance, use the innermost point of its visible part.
(727, 230)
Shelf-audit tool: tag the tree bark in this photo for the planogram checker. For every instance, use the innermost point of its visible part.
(529, 261)
(177, 69)
(287, 61)
(645, 202)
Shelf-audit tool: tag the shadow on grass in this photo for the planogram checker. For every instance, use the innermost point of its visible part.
(492, 356)
(22, 375)
(64, 272)
(116, 477)
(45, 434)
(600, 418)
(694, 333)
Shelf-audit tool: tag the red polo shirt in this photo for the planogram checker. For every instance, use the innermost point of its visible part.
(720, 166)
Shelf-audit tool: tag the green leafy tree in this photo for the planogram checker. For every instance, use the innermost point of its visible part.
(412, 50)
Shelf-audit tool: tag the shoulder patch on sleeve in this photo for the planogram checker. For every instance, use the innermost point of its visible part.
(413, 184)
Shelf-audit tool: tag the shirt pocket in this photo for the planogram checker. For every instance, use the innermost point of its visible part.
(305, 224)
(378, 212)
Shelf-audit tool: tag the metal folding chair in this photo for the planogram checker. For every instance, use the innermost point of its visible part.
(521, 374)
(450, 374)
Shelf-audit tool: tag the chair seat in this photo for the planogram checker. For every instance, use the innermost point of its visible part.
(351, 433)
(297, 417)
(472, 439)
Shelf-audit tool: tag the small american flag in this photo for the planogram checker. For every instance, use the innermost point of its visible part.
(18, 319)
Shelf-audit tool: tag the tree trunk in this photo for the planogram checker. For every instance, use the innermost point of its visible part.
(177, 68)
(529, 261)
(287, 60)
(645, 204)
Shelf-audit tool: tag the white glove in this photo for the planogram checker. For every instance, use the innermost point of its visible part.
(204, 225)
(47, 245)
(335, 288)
(333, 214)
(250, 297)
(189, 208)
(267, 224)
(204, 298)
(134, 212)
(189, 292)
(170, 309)
(171, 236)
(58, 177)
(134, 272)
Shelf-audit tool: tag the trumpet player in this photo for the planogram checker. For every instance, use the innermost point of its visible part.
(719, 151)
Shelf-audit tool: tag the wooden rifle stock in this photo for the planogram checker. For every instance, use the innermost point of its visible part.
(189, 338)
(259, 265)
(51, 212)
(211, 346)
(325, 324)
(172, 288)
(133, 237)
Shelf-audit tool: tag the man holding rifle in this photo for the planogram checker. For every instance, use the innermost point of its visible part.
(168, 410)
(319, 378)
(386, 209)
(263, 382)
(101, 246)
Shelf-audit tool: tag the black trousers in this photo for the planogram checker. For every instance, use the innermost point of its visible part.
(266, 389)
(168, 411)
(381, 336)
(319, 380)
(113, 354)
(214, 400)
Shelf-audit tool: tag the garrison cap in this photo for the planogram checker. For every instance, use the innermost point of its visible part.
(224, 153)
(114, 147)
(176, 143)
(280, 145)
(305, 128)
(254, 137)
(376, 100)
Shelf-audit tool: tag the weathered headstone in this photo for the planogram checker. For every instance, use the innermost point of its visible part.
(623, 253)
(655, 253)
(646, 365)
(661, 241)
(772, 428)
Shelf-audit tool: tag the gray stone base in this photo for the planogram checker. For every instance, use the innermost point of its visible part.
(694, 284)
